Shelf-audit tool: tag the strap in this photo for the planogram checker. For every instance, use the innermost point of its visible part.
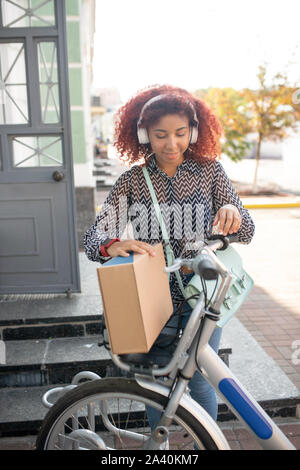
(169, 251)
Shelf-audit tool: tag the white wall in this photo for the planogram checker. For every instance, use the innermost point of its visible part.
(83, 175)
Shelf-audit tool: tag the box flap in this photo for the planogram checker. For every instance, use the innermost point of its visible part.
(119, 260)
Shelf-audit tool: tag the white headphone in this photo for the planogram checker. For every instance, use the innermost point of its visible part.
(142, 133)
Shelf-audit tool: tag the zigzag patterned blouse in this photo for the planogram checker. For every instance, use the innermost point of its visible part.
(188, 201)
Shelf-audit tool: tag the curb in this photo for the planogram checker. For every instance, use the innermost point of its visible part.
(279, 407)
(275, 205)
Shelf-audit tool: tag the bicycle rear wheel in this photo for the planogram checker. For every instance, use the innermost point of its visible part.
(110, 414)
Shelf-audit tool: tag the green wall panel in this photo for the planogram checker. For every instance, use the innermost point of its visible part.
(73, 41)
(72, 7)
(75, 82)
(75, 87)
(78, 137)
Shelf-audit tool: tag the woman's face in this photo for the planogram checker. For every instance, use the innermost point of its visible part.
(169, 138)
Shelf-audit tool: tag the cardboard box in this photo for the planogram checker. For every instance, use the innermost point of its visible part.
(136, 300)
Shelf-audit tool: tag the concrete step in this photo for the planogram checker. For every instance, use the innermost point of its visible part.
(34, 366)
(104, 173)
(98, 163)
(21, 410)
(38, 317)
(32, 363)
(102, 186)
(57, 360)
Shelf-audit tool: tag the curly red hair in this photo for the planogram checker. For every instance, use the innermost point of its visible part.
(210, 130)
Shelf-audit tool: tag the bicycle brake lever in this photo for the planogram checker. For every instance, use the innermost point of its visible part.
(174, 267)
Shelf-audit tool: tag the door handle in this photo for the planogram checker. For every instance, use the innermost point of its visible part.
(58, 175)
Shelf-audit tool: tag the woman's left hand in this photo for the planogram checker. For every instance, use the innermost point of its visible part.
(229, 219)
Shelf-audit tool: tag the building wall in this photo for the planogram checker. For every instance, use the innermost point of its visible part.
(80, 32)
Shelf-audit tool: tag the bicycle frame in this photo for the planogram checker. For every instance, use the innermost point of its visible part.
(203, 358)
(228, 387)
(238, 399)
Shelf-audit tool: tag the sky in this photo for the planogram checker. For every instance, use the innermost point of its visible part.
(193, 43)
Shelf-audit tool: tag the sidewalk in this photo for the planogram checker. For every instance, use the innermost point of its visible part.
(272, 311)
(238, 437)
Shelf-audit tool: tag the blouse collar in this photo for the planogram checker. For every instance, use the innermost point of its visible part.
(187, 165)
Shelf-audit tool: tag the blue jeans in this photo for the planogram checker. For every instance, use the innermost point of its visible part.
(200, 389)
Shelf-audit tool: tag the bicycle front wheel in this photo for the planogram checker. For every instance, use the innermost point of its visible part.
(111, 414)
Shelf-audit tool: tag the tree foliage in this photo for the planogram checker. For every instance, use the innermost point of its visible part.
(270, 109)
(269, 112)
(229, 105)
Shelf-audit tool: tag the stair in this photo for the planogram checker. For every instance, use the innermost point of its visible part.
(106, 173)
(37, 365)
(103, 173)
(38, 317)
(34, 366)
(48, 339)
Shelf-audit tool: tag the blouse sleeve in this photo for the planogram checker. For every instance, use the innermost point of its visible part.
(224, 193)
(111, 221)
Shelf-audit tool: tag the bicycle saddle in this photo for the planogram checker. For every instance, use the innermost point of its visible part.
(145, 360)
(160, 354)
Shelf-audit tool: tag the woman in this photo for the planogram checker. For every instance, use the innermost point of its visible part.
(176, 136)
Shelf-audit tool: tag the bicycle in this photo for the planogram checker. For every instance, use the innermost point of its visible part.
(110, 413)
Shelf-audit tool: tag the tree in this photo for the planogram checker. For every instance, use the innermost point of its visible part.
(229, 105)
(270, 110)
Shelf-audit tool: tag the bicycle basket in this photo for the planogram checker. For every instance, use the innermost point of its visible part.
(239, 288)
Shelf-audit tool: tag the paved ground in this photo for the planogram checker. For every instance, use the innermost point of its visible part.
(283, 173)
(272, 311)
(238, 437)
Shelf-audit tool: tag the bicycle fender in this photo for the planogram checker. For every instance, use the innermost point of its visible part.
(192, 407)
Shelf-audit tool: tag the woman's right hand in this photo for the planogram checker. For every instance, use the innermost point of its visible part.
(123, 247)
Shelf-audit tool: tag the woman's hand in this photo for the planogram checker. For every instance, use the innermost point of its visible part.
(229, 219)
(123, 247)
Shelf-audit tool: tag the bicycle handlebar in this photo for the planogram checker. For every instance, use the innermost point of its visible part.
(204, 263)
(225, 239)
(207, 268)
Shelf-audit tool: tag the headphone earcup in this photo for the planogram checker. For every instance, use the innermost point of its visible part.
(194, 135)
(142, 135)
